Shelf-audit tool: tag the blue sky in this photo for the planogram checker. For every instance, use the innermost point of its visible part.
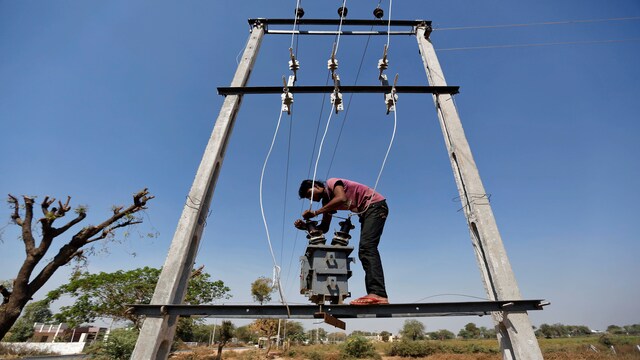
(101, 99)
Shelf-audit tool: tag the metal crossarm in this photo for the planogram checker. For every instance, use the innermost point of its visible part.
(411, 24)
(345, 22)
(242, 90)
(474, 308)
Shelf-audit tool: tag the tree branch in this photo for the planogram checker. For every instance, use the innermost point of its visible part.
(15, 217)
(108, 231)
(62, 210)
(45, 205)
(67, 226)
(27, 235)
(6, 294)
(86, 236)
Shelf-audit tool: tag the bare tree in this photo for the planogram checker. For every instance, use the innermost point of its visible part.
(25, 284)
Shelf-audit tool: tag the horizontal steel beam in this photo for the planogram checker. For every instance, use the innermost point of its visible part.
(345, 22)
(344, 32)
(473, 308)
(343, 89)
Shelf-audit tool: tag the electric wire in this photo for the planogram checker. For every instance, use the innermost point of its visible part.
(389, 25)
(395, 111)
(564, 22)
(295, 21)
(313, 151)
(286, 183)
(344, 4)
(276, 267)
(393, 135)
(286, 187)
(334, 53)
(346, 112)
(315, 169)
(540, 44)
(453, 294)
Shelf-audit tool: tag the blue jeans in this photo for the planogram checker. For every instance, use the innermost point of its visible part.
(372, 223)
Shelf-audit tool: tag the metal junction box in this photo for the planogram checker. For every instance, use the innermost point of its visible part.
(325, 270)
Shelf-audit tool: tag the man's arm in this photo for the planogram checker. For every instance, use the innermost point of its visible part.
(338, 201)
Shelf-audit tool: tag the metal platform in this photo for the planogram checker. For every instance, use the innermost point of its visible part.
(242, 90)
(473, 308)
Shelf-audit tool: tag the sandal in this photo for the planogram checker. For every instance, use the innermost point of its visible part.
(369, 300)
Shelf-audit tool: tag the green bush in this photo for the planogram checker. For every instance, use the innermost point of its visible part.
(118, 345)
(613, 340)
(412, 349)
(359, 347)
(469, 347)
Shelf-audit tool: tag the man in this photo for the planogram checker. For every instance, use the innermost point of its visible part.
(371, 208)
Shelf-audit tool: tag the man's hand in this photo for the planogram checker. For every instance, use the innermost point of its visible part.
(308, 214)
(300, 225)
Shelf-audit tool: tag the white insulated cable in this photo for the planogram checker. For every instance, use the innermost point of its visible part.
(295, 20)
(389, 26)
(344, 4)
(276, 267)
(315, 169)
(393, 135)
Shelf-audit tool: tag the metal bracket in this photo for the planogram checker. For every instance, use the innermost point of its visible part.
(330, 320)
(336, 96)
(383, 64)
(294, 65)
(286, 97)
(332, 63)
(391, 98)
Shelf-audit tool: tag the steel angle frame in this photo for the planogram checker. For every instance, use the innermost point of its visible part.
(243, 90)
(470, 308)
(411, 24)
(345, 22)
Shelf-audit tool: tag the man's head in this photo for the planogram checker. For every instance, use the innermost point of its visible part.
(305, 189)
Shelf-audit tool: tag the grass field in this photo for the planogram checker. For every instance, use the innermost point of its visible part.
(579, 348)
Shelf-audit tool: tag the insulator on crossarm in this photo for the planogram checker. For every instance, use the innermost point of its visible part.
(286, 96)
(294, 65)
(383, 64)
(299, 13)
(287, 102)
(332, 63)
(378, 12)
(336, 96)
(391, 98)
(343, 11)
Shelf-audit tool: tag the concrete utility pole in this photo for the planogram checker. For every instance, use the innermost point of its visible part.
(515, 334)
(157, 334)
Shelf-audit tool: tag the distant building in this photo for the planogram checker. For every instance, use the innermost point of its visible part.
(44, 333)
(48, 333)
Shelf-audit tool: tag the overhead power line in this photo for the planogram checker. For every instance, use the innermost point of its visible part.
(564, 22)
(540, 44)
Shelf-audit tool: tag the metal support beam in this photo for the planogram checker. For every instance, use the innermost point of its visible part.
(343, 89)
(335, 32)
(517, 340)
(157, 334)
(468, 308)
(336, 22)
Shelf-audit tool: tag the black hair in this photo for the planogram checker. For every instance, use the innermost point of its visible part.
(306, 185)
